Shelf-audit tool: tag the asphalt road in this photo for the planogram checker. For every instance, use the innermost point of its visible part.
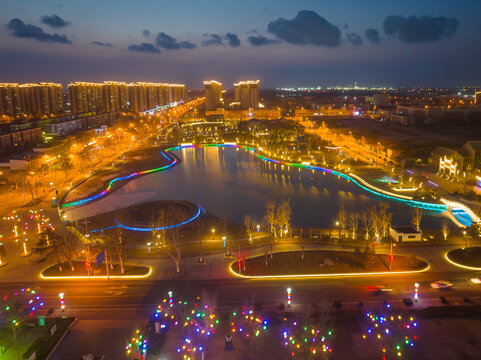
(89, 300)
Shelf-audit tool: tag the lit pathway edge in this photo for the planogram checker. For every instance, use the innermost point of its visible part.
(350, 177)
(97, 277)
(319, 276)
(446, 256)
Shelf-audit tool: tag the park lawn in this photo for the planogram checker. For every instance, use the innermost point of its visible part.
(33, 337)
(291, 263)
(80, 270)
(467, 256)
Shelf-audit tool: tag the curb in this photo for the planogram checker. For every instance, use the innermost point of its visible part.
(61, 339)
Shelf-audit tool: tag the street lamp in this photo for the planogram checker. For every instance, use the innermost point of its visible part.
(213, 232)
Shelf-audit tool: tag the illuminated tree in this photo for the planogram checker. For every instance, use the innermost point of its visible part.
(249, 226)
(308, 336)
(342, 216)
(270, 217)
(416, 218)
(18, 307)
(445, 231)
(353, 223)
(389, 334)
(283, 218)
(136, 347)
(249, 326)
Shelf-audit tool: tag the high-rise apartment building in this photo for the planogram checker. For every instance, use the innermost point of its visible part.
(31, 100)
(115, 96)
(10, 100)
(247, 94)
(85, 97)
(144, 96)
(213, 93)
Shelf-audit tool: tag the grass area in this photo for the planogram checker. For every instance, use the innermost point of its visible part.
(80, 270)
(32, 337)
(468, 256)
(325, 262)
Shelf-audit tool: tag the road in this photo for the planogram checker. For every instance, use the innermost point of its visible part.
(105, 299)
(108, 311)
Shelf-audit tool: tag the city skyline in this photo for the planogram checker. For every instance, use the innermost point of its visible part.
(281, 43)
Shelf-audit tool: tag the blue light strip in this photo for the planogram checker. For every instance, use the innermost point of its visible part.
(200, 210)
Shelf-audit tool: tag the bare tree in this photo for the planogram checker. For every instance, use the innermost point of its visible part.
(115, 243)
(270, 216)
(416, 219)
(174, 239)
(283, 217)
(61, 245)
(445, 231)
(375, 222)
(385, 219)
(353, 223)
(65, 165)
(342, 216)
(366, 224)
(249, 226)
(33, 181)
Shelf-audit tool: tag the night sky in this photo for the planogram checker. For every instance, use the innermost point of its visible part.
(283, 43)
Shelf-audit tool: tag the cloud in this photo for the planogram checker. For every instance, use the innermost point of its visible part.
(167, 42)
(214, 40)
(145, 48)
(232, 40)
(421, 29)
(98, 43)
(26, 31)
(373, 36)
(146, 33)
(354, 39)
(307, 28)
(54, 21)
(261, 40)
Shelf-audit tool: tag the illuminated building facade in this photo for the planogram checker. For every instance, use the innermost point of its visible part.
(115, 96)
(213, 93)
(85, 97)
(247, 94)
(31, 100)
(112, 96)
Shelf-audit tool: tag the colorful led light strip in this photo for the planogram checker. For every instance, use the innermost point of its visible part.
(351, 177)
(173, 160)
(197, 214)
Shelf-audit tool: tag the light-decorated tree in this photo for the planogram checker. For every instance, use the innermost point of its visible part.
(16, 308)
(389, 334)
(136, 347)
(308, 335)
(249, 327)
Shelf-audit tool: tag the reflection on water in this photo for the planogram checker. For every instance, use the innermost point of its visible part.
(231, 182)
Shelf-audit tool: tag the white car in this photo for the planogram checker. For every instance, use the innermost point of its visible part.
(476, 280)
(441, 284)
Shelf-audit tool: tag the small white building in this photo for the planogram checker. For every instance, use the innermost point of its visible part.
(404, 233)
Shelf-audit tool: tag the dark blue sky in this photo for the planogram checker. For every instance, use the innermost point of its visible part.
(282, 43)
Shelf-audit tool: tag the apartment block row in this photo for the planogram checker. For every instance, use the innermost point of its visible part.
(43, 100)
(31, 100)
(120, 96)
